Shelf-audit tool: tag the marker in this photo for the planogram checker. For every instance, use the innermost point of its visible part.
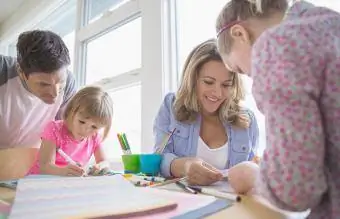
(154, 178)
(186, 188)
(126, 143)
(216, 193)
(66, 157)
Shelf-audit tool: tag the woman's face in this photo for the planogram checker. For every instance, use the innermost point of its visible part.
(213, 86)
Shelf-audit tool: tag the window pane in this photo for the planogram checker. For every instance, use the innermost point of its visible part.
(69, 40)
(114, 53)
(62, 21)
(127, 119)
(198, 25)
(96, 8)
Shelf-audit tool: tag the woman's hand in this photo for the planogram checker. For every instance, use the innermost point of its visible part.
(242, 177)
(199, 172)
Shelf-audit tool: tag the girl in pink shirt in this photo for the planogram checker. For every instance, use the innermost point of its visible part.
(78, 135)
(293, 55)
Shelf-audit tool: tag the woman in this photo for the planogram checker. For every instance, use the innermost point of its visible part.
(212, 131)
(293, 56)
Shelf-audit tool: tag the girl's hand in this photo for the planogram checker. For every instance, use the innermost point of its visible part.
(199, 172)
(72, 170)
(242, 177)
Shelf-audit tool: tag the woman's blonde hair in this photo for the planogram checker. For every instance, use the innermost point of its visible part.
(240, 10)
(186, 106)
(93, 102)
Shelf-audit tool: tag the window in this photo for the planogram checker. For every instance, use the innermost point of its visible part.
(61, 21)
(97, 9)
(198, 25)
(114, 53)
(69, 41)
(113, 60)
(126, 118)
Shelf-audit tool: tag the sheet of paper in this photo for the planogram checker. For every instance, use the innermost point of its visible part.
(60, 197)
(222, 186)
(186, 202)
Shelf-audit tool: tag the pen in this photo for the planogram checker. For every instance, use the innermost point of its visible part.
(216, 193)
(186, 188)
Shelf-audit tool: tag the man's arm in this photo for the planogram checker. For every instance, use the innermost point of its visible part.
(70, 90)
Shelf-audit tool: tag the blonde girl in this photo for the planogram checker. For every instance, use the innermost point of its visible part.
(292, 54)
(87, 122)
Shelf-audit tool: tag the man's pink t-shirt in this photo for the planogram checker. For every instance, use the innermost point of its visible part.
(79, 150)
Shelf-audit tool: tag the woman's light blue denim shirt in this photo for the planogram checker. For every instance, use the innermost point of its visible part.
(242, 143)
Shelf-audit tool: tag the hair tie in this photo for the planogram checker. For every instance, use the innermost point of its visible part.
(226, 26)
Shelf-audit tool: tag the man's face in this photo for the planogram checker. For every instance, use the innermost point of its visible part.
(46, 86)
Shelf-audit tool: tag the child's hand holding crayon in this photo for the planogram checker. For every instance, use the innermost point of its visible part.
(72, 170)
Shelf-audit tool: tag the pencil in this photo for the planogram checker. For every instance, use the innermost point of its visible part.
(165, 142)
(216, 193)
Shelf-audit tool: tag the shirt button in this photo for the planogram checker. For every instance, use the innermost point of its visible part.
(244, 148)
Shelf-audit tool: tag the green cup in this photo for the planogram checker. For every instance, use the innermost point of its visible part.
(131, 163)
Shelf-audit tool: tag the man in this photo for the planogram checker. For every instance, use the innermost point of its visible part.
(34, 87)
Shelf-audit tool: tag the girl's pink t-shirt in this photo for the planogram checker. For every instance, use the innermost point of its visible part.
(79, 150)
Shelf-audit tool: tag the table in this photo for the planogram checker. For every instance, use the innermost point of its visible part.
(248, 208)
(14, 162)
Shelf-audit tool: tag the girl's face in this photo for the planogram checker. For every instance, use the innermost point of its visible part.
(213, 85)
(239, 58)
(83, 127)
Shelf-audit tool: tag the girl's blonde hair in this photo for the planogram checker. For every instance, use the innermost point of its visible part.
(93, 102)
(186, 106)
(240, 10)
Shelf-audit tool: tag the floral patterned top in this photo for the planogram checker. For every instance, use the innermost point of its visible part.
(296, 73)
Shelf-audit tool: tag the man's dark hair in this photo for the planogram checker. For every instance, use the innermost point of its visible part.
(41, 51)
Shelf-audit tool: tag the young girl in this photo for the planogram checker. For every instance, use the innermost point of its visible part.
(292, 54)
(77, 136)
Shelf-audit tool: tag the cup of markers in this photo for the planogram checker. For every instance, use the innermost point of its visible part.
(148, 164)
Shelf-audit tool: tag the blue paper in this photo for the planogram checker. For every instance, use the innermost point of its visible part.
(210, 209)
